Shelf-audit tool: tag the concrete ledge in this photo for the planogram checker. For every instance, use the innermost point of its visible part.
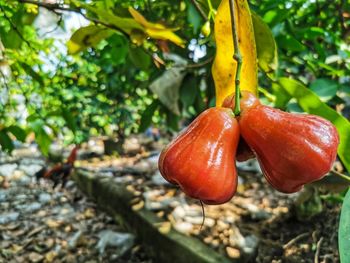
(171, 246)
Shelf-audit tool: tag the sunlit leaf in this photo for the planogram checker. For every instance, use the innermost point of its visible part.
(282, 97)
(311, 103)
(265, 45)
(143, 21)
(275, 16)
(155, 30)
(88, 36)
(124, 24)
(224, 66)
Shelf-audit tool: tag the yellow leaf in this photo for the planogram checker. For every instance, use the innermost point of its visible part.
(165, 35)
(143, 21)
(86, 37)
(155, 30)
(224, 66)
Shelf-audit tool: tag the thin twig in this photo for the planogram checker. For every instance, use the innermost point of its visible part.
(54, 7)
(237, 56)
(203, 214)
(201, 64)
(200, 10)
(318, 248)
(343, 176)
(4, 78)
(294, 240)
(55, 28)
(49, 6)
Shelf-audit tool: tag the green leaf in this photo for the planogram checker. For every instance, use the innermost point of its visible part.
(119, 50)
(18, 132)
(41, 137)
(172, 120)
(70, 120)
(189, 90)
(146, 118)
(88, 36)
(324, 88)
(30, 71)
(311, 33)
(5, 141)
(344, 231)
(289, 43)
(312, 104)
(265, 45)
(344, 88)
(194, 17)
(275, 16)
(282, 97)
(123, 23)
(139, 58)
(44, 142)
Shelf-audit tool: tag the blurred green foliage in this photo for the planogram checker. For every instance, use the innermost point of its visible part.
(99, 82)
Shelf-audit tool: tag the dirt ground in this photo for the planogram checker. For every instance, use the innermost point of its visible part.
(257, 225)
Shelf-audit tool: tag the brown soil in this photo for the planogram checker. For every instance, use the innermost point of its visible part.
(256, 211)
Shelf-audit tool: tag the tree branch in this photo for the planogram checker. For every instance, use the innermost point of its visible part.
(14, 27)
(199, 9)
(55, 7)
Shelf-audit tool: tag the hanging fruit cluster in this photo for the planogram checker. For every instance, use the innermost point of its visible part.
(292, 149)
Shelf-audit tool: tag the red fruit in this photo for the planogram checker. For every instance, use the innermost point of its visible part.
(199, 160)
(244, 152)
(248, 100)
(292, 149)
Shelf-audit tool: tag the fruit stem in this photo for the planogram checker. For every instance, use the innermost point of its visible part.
(237, 56)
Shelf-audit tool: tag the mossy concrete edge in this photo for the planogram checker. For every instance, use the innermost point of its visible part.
(171, 246)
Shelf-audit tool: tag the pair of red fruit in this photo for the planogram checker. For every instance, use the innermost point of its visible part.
(292, 149)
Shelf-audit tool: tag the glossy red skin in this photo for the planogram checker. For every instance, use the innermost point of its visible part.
(199, 160)
(244, 152)
(248, 100)
(292, 149)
